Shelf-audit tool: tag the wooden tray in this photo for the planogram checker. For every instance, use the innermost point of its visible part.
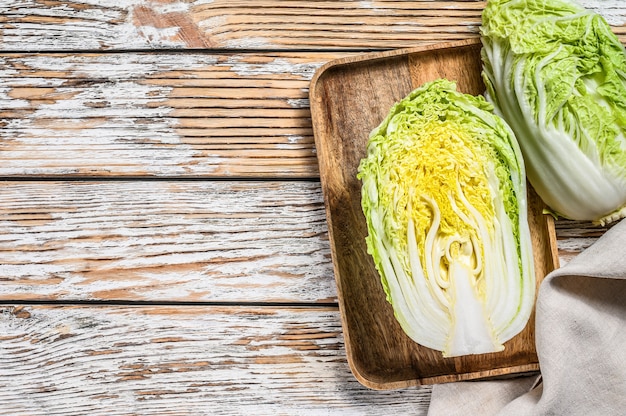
(349, 97)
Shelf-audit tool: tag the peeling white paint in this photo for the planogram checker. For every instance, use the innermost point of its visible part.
(47, 62)
(298, 102)
(164, 241)
(295, 139)
(213, 22)
(91, 28)
(257, 42)
(613, 11)
(185, 360)
(370, 5)
(112, 67)
(276, 66)
(114, 104)
(110, 24)
(6, 102)
(172, 7)
(118, 110)
(163, 37)
(101, 13)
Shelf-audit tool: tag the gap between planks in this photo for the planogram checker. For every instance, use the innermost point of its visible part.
(165, 303)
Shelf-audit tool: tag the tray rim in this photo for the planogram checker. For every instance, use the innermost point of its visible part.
(372, 57)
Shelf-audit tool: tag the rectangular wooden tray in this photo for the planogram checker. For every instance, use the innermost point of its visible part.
(349, 97)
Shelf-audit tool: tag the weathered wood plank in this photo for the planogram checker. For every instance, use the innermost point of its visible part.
(164, 241)
(177, 241)
(575, 236)
(63, 360)
(37, 25)
(80, 24)
(168, 114)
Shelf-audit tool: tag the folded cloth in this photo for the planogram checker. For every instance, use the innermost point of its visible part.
(580, 331)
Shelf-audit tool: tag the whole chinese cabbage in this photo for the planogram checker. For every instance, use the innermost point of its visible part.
(444, 196)
(557, 74)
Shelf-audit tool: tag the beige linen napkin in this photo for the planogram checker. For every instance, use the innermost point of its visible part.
(581, 345)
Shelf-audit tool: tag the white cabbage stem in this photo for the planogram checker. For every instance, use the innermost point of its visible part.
(472, 332)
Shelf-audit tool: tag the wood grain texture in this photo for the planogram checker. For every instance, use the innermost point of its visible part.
(164, 241)
(61, 360)
(169, 114)
(573, 237)
(138, 24)
(192, 114)
(38, 25)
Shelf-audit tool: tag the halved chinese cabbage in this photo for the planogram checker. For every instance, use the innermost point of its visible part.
(557, 74)
(444, 196)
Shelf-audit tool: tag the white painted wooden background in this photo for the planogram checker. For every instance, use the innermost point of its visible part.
(163, 245)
